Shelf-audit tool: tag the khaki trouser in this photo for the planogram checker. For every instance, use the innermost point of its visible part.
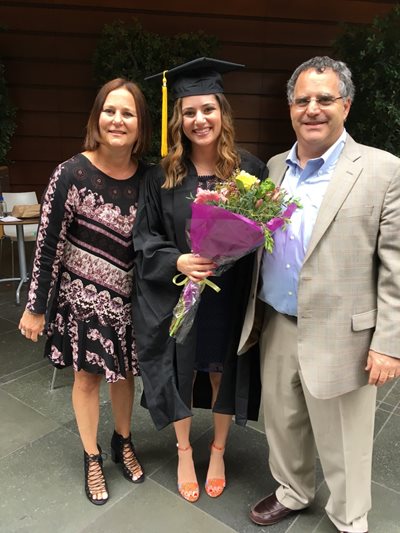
(298, 426)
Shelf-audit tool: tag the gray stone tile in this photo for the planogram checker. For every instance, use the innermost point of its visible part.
(325, 526)
(383, 518)
(309, 520)
(18, 353)
(383, 391)
(386, 463)
(386, 407)
(41, 462)
(106, 425)
(381, 415)
(34, 390)
(151, 508)
(248, 477)
(152, 447)
(19, 424)
(45, 491)
(7, 293)
(8, 306)
(393, 394)
(385, 514)
(7, 326)
(23, 371)
(157, 447)
(11, 311)
(165, 440)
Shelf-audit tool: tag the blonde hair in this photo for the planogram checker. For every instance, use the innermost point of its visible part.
(174, 164)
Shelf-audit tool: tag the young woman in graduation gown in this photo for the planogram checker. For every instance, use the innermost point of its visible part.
(205, 370)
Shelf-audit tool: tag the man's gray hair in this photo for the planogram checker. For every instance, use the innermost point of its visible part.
(320, 64)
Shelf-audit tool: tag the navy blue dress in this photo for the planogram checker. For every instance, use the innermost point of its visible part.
(215, 316)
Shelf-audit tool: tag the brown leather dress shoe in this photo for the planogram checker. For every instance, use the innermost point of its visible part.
(269, 511)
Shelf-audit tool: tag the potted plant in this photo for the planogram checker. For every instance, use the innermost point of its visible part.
(372, 52)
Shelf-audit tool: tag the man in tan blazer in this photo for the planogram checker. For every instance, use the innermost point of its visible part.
(330, 293)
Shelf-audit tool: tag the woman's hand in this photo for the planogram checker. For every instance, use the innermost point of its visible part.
(196, 268)
(31, 325)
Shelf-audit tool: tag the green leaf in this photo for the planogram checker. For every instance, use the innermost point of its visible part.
(372, 53)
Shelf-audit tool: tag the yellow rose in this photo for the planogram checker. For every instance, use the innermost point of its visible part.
(246, 180)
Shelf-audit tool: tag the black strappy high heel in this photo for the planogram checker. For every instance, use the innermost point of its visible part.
(95, 482)
(123, 451)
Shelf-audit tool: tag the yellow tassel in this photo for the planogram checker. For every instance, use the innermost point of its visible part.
(164, 117)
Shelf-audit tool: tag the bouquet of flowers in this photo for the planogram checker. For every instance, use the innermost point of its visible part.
(227, 223)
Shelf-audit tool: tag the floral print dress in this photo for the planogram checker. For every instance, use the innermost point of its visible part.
(82, 273)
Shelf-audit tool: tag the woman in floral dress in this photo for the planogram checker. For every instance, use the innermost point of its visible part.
(82, 276)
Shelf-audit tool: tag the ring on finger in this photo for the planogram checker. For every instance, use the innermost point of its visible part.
(23, 332)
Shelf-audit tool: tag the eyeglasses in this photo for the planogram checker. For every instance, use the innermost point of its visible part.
(321, 101)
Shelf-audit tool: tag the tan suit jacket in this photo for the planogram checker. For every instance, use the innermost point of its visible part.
(349, 285)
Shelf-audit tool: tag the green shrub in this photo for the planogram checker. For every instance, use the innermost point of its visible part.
(373, 54)
(129, 51)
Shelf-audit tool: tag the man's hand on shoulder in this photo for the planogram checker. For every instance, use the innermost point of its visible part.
(382, 368)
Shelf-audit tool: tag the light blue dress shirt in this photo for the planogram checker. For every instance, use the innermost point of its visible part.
(280, 270)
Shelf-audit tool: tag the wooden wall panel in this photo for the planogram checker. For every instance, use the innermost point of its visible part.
(55, 74)
(48, 47)
(350, 10)
(51, 46)
(86, 23)
(66, 99)
(55, 124)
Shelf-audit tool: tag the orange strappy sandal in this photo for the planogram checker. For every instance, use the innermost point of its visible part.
(189, 490)
(215, 486)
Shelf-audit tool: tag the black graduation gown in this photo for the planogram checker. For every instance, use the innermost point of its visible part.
(166, 367)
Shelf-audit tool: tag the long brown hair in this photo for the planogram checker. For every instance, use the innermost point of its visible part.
(174, 164)
(92, 139)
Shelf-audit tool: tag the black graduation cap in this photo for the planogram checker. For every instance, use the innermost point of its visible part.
(200, 76)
